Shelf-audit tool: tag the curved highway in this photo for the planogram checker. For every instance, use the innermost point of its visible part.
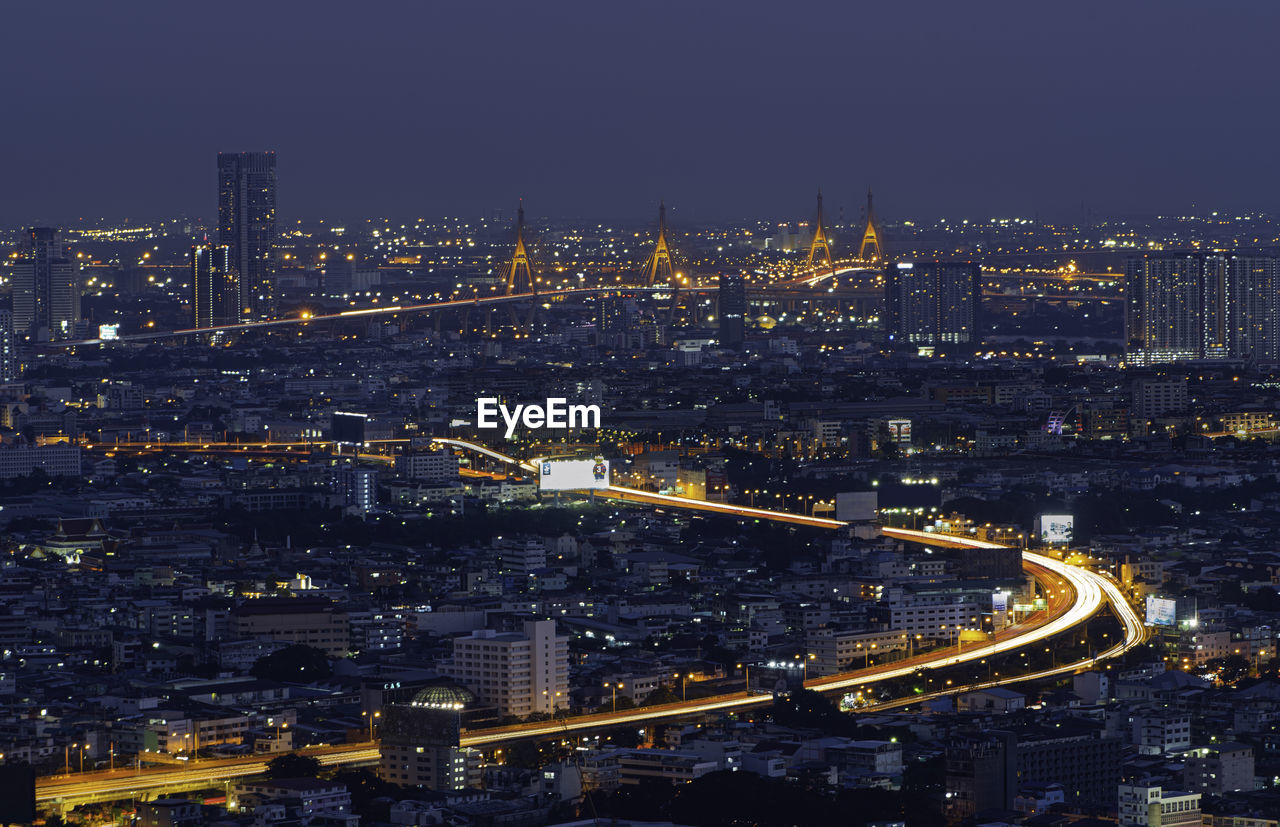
(1076, 595)
(1085, 595)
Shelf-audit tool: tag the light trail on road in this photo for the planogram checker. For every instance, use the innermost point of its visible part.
(1089, 593)
(618, 492)
(366, 312)
(86, 787)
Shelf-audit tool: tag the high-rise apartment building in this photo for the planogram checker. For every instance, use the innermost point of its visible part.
(614, 316)
(247, 225)
(1253, 307)
(519, 673)
(8, 347)
(1175, 308)
(1188, 305)
(931, 303)
(358, 486)
(46, 288)
(733, 309)
(215, 296)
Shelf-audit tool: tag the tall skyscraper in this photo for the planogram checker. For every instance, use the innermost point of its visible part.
(1181, 306)
(247, 225)
(8, 347)
(215, 296)
(933, 302)
(46, 288)
(1253, 306)
(613, 322)
(733, 309)
(1168, 313)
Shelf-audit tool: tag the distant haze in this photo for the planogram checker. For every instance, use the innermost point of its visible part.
(600, 109)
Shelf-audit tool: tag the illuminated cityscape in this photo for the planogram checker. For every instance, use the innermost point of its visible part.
(501, 432)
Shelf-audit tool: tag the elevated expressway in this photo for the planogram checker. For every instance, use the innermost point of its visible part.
(1075, 595)
(635, 495)
(366, 312)
(113, 785)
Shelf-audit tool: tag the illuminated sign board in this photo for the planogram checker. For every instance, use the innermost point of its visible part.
(573, 474)
(1161, 611)
(900, 431)
(1055, 529)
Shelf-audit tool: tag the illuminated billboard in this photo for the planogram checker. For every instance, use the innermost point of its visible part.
(900, 431)
(573, 474)
(1055, 529)
(1161, 611)
(999, 602)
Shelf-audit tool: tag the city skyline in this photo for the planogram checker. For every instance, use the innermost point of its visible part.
(567, 414)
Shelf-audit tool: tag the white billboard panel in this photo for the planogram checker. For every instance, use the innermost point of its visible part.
(1161, 611)
(572, 474)
(1056, 528)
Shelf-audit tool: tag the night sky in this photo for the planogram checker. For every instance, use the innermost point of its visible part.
(598, 109)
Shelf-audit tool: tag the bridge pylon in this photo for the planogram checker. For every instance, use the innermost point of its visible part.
(871, 235)
(660, 259)
(820, 246)
(661, 265)
(518, 270)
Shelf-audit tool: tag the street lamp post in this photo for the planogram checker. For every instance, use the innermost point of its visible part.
(615, 687)
(372, 716)
(808, 657)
